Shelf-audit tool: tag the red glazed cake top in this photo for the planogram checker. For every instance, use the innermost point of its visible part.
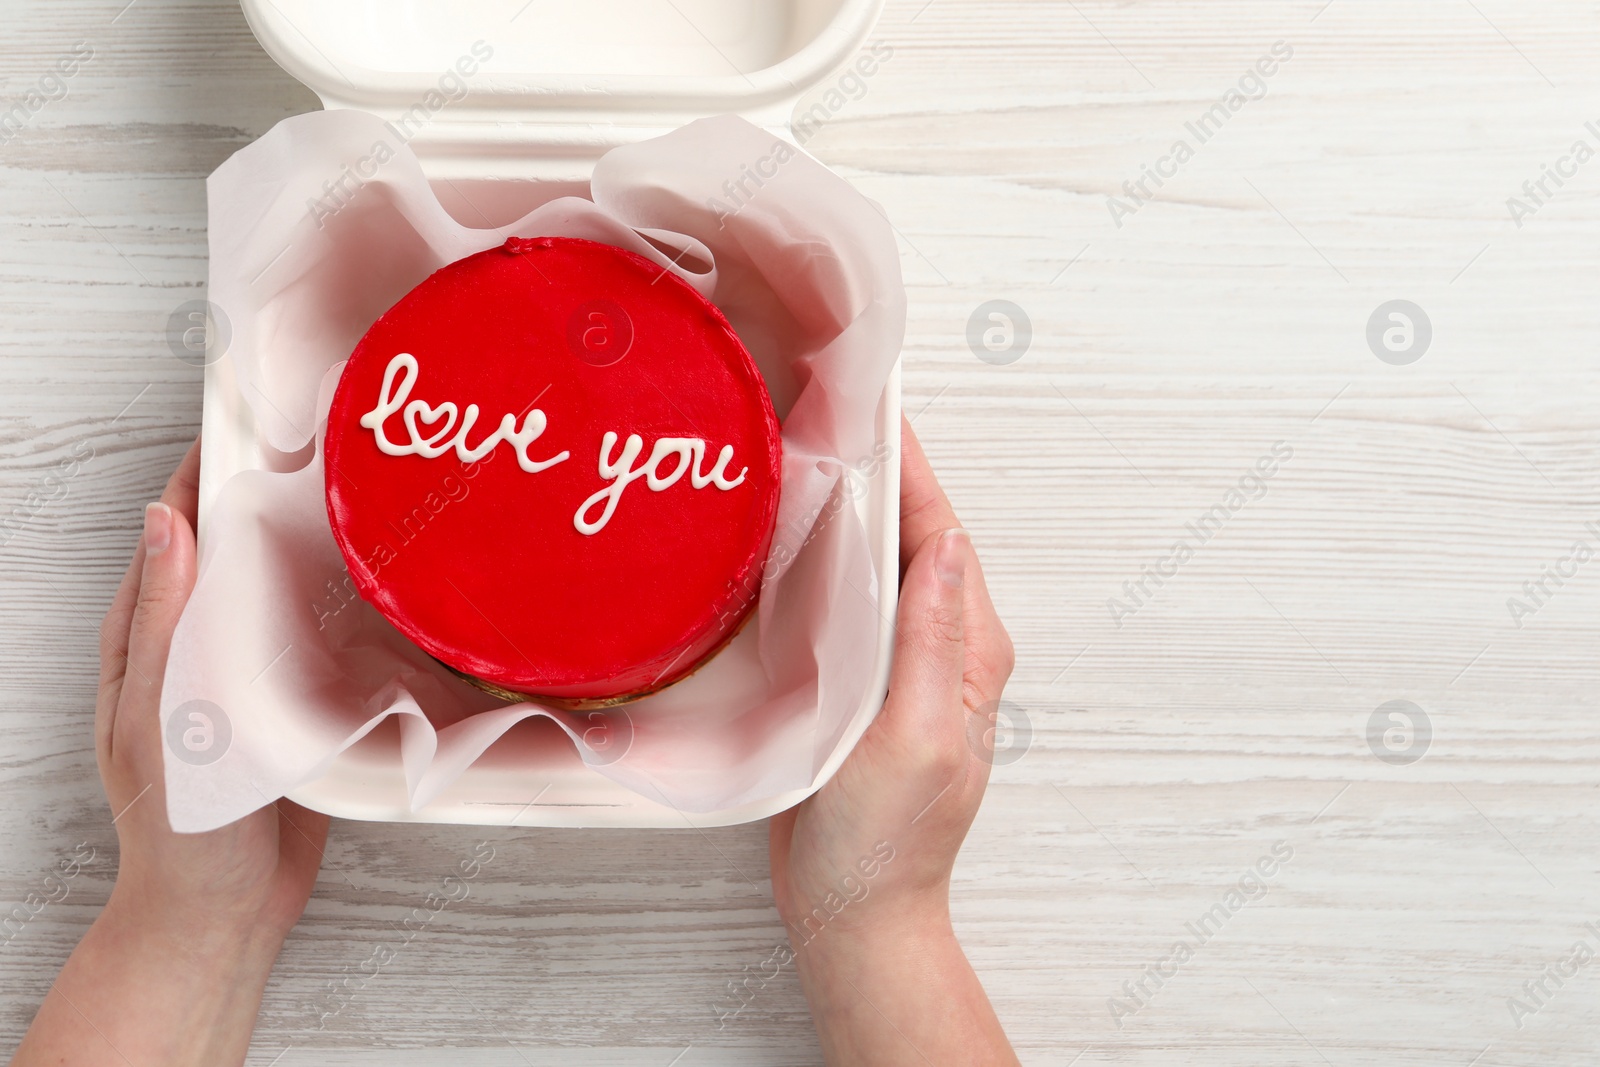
(555, 468)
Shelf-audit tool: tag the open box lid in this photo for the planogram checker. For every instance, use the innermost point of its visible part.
(543, 88)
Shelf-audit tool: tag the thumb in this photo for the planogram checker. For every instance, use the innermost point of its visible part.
(164, 585)
(925, 685)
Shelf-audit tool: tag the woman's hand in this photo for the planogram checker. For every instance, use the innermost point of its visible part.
(861, 870)
(172, 971)
(255, 874)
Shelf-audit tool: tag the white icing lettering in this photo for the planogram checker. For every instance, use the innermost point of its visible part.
(433, 430)
(392, 398)
(617, 474)
(700, 481)
(621, 473)
(682, 447)
(427, 446)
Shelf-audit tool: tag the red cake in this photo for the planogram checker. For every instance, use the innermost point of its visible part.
(554, 467)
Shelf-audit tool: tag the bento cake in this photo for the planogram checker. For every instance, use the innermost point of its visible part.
(555, 468)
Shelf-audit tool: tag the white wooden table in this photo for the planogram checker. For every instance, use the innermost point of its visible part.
(1169, 753)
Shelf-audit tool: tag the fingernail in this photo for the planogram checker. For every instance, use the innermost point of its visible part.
(950, 557)
(157, 528)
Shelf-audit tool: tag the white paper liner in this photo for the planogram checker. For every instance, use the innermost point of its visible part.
(323, 224)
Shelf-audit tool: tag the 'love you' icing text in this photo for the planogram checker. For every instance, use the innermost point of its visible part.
(430, 443)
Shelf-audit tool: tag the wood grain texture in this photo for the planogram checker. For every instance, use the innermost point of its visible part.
(1167, 753)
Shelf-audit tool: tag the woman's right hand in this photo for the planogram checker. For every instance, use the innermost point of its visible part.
(861, 870)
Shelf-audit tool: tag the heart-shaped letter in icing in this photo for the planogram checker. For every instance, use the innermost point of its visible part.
(429, 446)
